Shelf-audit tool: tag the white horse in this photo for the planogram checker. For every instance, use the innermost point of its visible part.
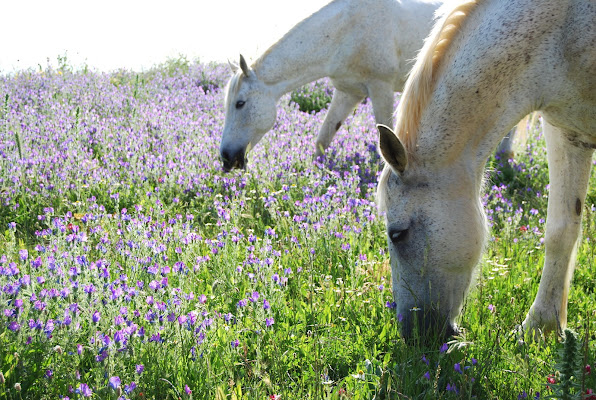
(486, 64)
(364, 46)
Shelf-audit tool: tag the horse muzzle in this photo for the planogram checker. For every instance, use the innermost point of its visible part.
(233, 159)
(425, 327)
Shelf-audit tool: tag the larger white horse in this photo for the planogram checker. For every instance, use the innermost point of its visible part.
(486, 64)
(364, 46)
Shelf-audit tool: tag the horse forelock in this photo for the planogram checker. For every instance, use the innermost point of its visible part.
(420, 84)
(233, 88)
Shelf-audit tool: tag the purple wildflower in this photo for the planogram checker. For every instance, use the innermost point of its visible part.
(114, 382)
(14, 326)
(84, 390)
(95, 317)
(242, 303)
(130, 387)
(254, 296)
(457, 368)
(451, 388)
(156, 338)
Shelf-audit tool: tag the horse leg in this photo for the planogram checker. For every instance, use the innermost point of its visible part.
(342, 104)
(505, 148)
(569, 168)
(517, 137)
(382, 96)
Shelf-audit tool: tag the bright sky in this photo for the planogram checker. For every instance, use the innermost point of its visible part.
(137, 34)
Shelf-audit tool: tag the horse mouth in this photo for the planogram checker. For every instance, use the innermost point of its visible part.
(236, 164)
(426, 327)
(236, 160)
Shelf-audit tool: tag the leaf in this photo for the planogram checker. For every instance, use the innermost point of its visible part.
(386, 358)
(220, 394)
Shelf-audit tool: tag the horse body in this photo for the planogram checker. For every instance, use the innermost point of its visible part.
(487, 64)
(364, 46)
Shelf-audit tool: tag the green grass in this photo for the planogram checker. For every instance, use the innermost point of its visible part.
(327, 284)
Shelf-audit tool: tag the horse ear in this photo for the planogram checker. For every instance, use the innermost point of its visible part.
(233, 67)
(244, 67)
(392, 149)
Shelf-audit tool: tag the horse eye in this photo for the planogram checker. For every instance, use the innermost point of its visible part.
(240, 104)
(398, 236)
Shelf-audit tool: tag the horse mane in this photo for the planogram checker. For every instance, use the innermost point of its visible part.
(420, 84)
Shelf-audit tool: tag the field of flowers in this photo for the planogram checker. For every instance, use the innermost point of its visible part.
(132, 267)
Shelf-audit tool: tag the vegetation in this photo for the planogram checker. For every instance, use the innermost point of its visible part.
(132, 267)
(313, 97)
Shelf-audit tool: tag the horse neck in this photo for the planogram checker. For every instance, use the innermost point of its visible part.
(478, 97)
(302, 55)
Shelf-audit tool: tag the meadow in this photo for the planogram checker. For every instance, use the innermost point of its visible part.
(133, 267)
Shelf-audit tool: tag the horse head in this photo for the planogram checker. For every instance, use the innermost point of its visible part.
(436, 231)
(250, 112)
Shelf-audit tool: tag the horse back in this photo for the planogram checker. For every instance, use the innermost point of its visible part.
(380, 39)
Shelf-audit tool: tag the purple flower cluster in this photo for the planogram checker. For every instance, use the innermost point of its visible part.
(126, 244)
(118, 262)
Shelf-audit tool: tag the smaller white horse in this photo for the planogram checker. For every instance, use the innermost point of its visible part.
(364, 46)
(486, 64)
